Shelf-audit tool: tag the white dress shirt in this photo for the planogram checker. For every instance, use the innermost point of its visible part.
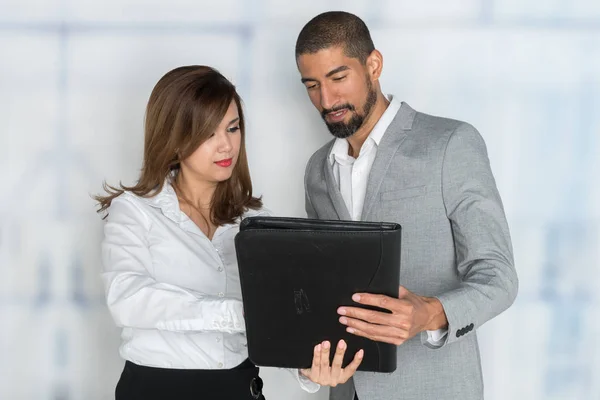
(352, 175)
(175, 293)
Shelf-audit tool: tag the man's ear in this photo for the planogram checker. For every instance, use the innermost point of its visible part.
(374, 65)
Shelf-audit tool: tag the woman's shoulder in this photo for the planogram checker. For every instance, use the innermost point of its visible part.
(128, 206)
(126, 199)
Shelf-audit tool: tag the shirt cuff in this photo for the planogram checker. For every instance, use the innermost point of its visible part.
(436, 338)
(306, 384)
(229, 317)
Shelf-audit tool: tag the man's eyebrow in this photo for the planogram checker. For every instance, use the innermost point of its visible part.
(329, 74)
(338, 69)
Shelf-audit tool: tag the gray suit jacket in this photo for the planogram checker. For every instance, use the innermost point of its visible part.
(432, 176)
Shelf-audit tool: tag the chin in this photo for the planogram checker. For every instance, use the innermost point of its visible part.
(222, 177)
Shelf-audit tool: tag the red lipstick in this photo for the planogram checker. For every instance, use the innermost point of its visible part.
(224, 163)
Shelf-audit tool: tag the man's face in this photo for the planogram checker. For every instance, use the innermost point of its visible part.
(339, 87)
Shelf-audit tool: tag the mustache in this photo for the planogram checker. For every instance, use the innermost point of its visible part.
(326, 111)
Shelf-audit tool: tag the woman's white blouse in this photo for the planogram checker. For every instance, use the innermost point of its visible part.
(175, 293)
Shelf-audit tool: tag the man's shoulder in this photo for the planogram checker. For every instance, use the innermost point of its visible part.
(446, 134)
(435, 123)
(437, 129)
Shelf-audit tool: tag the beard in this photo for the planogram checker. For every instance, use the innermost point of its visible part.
(343, 130)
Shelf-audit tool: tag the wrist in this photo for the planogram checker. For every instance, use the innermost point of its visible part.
(437, 315)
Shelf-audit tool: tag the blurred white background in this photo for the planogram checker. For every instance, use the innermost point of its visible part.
(74, 80)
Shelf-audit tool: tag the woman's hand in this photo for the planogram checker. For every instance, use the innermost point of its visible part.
(331, 375)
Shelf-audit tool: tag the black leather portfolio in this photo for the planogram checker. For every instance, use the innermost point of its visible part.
(296, 272)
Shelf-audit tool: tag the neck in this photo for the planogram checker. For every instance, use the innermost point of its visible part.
(196, 191)
(358, 139)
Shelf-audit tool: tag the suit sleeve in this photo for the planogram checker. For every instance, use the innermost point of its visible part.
(484, 256)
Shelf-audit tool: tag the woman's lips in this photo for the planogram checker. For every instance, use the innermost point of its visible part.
(224, 163)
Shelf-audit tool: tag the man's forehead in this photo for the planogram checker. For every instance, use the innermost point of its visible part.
(324, 61)
(326, 53)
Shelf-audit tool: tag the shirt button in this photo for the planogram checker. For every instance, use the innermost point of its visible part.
(220, 269)
(220, 365)
(218, 339)
(221, 294)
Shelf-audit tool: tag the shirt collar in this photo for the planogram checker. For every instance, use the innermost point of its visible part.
(166, 200)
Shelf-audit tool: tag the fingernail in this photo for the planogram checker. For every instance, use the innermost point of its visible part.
(342, 311)
(361, 353)
(344, 320)
(326, 345)
(319, 347)
(349, 330)
(342, 344)
(356, 297)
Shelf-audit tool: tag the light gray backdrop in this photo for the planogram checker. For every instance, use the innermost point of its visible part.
(74, 80)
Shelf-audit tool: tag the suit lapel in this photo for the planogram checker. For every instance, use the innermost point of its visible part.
(334, 191)
(389, 145)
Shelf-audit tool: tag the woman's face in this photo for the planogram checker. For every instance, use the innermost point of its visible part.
(213, 161)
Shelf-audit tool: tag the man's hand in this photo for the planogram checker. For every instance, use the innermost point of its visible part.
(322, 373)
(411, 314)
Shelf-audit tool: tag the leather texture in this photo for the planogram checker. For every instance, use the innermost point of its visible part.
(296, 272)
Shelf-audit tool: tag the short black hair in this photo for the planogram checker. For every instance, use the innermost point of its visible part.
(336, 28)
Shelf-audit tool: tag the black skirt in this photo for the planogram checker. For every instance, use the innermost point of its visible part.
(149, 383)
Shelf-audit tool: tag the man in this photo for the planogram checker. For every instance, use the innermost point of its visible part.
(391, 163)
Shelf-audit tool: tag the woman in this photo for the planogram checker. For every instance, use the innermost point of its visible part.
(169, 263)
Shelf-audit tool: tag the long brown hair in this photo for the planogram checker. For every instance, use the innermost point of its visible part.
(185, 107)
